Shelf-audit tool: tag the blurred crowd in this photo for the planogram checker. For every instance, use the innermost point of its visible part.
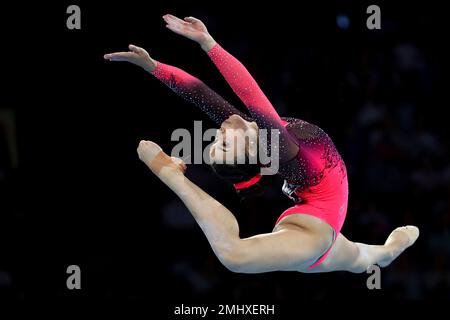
(8, 209)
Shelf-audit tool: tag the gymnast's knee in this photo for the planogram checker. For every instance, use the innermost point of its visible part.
(233, 260)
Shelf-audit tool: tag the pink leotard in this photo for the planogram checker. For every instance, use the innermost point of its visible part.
(314, 172)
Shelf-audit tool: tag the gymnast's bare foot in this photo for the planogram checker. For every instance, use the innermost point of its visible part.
(399, 239)
(165, 167)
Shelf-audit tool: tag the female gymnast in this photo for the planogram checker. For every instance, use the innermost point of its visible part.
(306, 237)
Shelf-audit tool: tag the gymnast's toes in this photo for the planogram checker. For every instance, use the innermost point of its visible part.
(147, 150)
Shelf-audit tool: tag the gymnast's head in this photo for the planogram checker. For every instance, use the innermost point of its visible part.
(233, 154)
(236, 141)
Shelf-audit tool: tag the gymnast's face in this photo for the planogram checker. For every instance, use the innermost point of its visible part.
(236, 139)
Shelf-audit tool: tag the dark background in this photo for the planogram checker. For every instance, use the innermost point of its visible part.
(72, 190)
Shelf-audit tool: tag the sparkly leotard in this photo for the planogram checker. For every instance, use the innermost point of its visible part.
(314, 172)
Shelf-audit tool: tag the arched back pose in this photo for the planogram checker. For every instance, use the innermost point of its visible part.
(307, 236)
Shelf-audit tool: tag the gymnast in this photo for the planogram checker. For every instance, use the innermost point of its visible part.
(306, 237)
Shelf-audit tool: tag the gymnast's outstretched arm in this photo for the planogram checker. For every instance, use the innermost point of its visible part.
(185, 85)
(239, 79)
(288, 249)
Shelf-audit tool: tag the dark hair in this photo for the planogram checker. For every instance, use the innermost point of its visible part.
(238, 173)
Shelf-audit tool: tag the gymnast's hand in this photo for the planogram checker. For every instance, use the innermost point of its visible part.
(165, 167)
(190, 28)
(136, 55)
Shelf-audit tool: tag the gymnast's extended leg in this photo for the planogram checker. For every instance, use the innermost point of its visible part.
(292, 248)
(356, 257)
